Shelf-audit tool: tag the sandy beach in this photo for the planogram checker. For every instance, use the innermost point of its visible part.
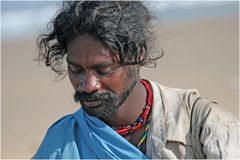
(201, 54)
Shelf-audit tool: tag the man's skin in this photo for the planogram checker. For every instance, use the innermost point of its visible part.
(92, 68)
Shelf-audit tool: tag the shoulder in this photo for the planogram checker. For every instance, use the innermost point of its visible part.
(174, 105)
(175, 98)
(58, 136)
(212, 131)
(197, 106)
(62, 124)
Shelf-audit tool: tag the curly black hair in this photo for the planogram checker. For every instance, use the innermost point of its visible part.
(123, 26)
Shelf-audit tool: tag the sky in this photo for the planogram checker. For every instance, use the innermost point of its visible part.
(24, 18)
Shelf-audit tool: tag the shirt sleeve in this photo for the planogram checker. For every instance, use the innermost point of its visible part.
(215, 130)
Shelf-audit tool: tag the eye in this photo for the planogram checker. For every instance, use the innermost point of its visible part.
(74, 69)
(104, 70)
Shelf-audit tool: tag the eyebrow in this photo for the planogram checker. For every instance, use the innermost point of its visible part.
(104, 64)
(72, 63)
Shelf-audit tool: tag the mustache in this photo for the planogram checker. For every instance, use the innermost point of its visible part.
(83, 96)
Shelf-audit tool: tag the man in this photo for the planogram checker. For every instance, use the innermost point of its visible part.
(122, 116)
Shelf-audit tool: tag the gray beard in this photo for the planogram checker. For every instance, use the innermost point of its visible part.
(111, 106)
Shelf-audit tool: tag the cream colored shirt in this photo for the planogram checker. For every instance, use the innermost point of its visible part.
(185, 125)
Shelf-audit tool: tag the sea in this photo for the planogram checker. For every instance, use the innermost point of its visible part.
(20, 19)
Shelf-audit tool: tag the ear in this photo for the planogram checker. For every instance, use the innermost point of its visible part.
(142, 55)
(134, 70)
(116, 57)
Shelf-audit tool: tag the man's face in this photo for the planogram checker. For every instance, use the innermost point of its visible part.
(101, 84)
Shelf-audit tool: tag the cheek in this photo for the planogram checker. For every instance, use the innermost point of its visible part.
(74, 80)
(116, 82)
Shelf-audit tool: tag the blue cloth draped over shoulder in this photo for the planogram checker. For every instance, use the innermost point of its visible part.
(82, 136)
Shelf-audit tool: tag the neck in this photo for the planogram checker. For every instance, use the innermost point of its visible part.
(129, 111)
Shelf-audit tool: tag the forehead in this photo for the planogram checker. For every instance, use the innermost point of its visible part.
(86, 50)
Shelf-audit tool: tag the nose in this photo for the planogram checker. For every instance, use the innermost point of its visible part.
(89, 83)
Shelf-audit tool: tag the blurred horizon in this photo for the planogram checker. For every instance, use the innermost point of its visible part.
(25, 18)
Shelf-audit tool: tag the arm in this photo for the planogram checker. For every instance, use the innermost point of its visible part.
(215, 132)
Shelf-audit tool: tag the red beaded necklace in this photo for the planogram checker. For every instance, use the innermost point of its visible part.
(142, 119)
